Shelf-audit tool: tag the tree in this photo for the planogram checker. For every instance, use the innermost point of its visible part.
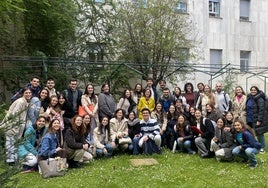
(152, 35)
(50, 26)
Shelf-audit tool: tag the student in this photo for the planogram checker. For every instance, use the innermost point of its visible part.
(146, 101)
(36, 103)
(134, 132)
(119, 130)
(76, 145)
(161, 117)
(90, 103)
(172, 118)
(102, 138)
(106, 104)
(33, 86)
(73, 95)
(204, 135)
(136, 94)
(125, 102)
(223, 141)
(14, 124)
(183, 135)
(50, 86)
(247, 147)
(150, 130)
(223, 99)
(50, 146)
(239, 103)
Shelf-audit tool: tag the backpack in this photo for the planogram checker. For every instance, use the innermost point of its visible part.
(230, 104)
(149, 147)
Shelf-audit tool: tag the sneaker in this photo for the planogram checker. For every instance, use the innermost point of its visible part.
(253, 166)
(262, 151)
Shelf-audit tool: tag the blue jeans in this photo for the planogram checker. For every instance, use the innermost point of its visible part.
(109, 149)
(248, 154)
(135, 145)
(184, 145)
(261, 139)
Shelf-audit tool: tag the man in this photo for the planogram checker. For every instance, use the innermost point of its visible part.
(50, 85)
(149, 129)
(73, 95)
(200, 91)
(150, 86)
(162, 86)
(223, 99)
(34, 86)
(166, 99)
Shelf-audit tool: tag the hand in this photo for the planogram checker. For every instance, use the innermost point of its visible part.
(85, 146)
(104, 151)
(258, 123)
(58, 149)
(181, 139)
(145, 139)
(113, 144)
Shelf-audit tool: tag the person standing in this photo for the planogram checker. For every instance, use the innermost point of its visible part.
(73, 95)
(14, 124)
(257, 114)
(106, 103)
(239, 103)
(223, 99)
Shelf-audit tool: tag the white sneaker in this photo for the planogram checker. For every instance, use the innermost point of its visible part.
(262, 151)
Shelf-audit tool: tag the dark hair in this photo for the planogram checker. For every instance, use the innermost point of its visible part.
(188, 84)
(244, 126)
(133, 112)
(124, 94)
(88, 126)
(123, 112)
(146, 109)
(243, 92)
(35, 77)
(72, 80)
(50, 129)
(47, 98)
(181, 126)
(150, 78)
(93, 96)
(178, 89)
(223, 120)
(105, 84)
(147, 89)
(255, 87)
(49, 79)
(107, 127)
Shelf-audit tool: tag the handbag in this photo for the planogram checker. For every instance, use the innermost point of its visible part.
(125, 140)
(53, 167)
(82, 111)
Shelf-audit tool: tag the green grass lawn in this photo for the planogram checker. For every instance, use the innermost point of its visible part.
(173, 170)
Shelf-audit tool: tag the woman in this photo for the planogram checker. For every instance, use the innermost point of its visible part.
(178, 95)
(90, 103)
(119, 130)
(14, 124)
(146, 101)
(191, 116)
(183, 135)
(247, 147)
(40, 129)
(67, 111)
(172, 118)
(180, 108)
(53, 111)
(204, 131)
(212, 113)
(76, 145)
(257, 114)
(89, 133)
(50, 146)
(223, 141)
(239, 103)
(205, 98)
(106, 102)
(229, 120)
(136, 94)
(102, 139)
(134, 130)
(189, 94)
(161, 117)
(125, 102)
(37, 103)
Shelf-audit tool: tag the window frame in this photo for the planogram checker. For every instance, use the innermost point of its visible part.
(214, 4)
(244, 60)
(181, 7)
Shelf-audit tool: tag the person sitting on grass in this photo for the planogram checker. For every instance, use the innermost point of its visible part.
(150, 132)
(134, 132)
(119, 130)
(102, 139)
(223, 141)
(248, 146)
(76, 145)
(183, 135)
(204, 132)
(50, 146)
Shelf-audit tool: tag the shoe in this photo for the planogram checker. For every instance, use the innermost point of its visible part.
(253, 166)
(29, 170)
(192, 152)
(206, 155)
(262, 151)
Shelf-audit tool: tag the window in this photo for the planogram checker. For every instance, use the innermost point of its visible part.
(244, 9)
(215, 60)
(96, 51)
(99, 1)
(181, 7)
(244, 60)
(214, 8)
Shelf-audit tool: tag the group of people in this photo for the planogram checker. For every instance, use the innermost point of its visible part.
(82, 125)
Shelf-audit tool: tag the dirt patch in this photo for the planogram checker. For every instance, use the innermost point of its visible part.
(142, 162)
